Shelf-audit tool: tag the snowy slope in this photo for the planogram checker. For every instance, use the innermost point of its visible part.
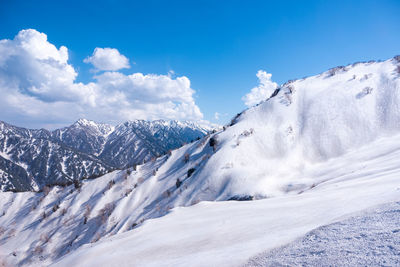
(229, 233)
(369, 238)
(307, 122)
(320, 148)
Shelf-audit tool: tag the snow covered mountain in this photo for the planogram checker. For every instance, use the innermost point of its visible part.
(84, 135)
(137, 141)
(30, 159)
(319, 150)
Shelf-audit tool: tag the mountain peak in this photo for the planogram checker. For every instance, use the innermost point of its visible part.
(101, 128)
(85, 122)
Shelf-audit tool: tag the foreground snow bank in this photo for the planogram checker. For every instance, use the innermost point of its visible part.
(370, 238)
(229, 233)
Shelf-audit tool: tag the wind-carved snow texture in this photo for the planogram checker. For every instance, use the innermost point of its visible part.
(31, 159)
(371, 238)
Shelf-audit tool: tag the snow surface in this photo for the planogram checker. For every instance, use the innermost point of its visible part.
(321, 149)
(229, 233)
(371, 238)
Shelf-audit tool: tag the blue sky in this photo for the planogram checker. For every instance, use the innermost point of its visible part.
(218, 45)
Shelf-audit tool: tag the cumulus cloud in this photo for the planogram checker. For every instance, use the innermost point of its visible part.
(38, 89)
(219, 116)
(107, 59)
(262, 91)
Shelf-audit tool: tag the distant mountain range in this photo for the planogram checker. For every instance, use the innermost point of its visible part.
(31, 159)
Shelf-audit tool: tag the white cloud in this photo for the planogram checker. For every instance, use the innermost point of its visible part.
(107, 59)
(262, 91)
(171, 73)
(38, 88)
(220, 116)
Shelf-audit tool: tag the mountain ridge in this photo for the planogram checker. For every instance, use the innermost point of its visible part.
(83, 149)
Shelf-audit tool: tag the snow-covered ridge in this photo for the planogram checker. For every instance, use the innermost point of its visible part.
(101, 128)
(270, 147)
